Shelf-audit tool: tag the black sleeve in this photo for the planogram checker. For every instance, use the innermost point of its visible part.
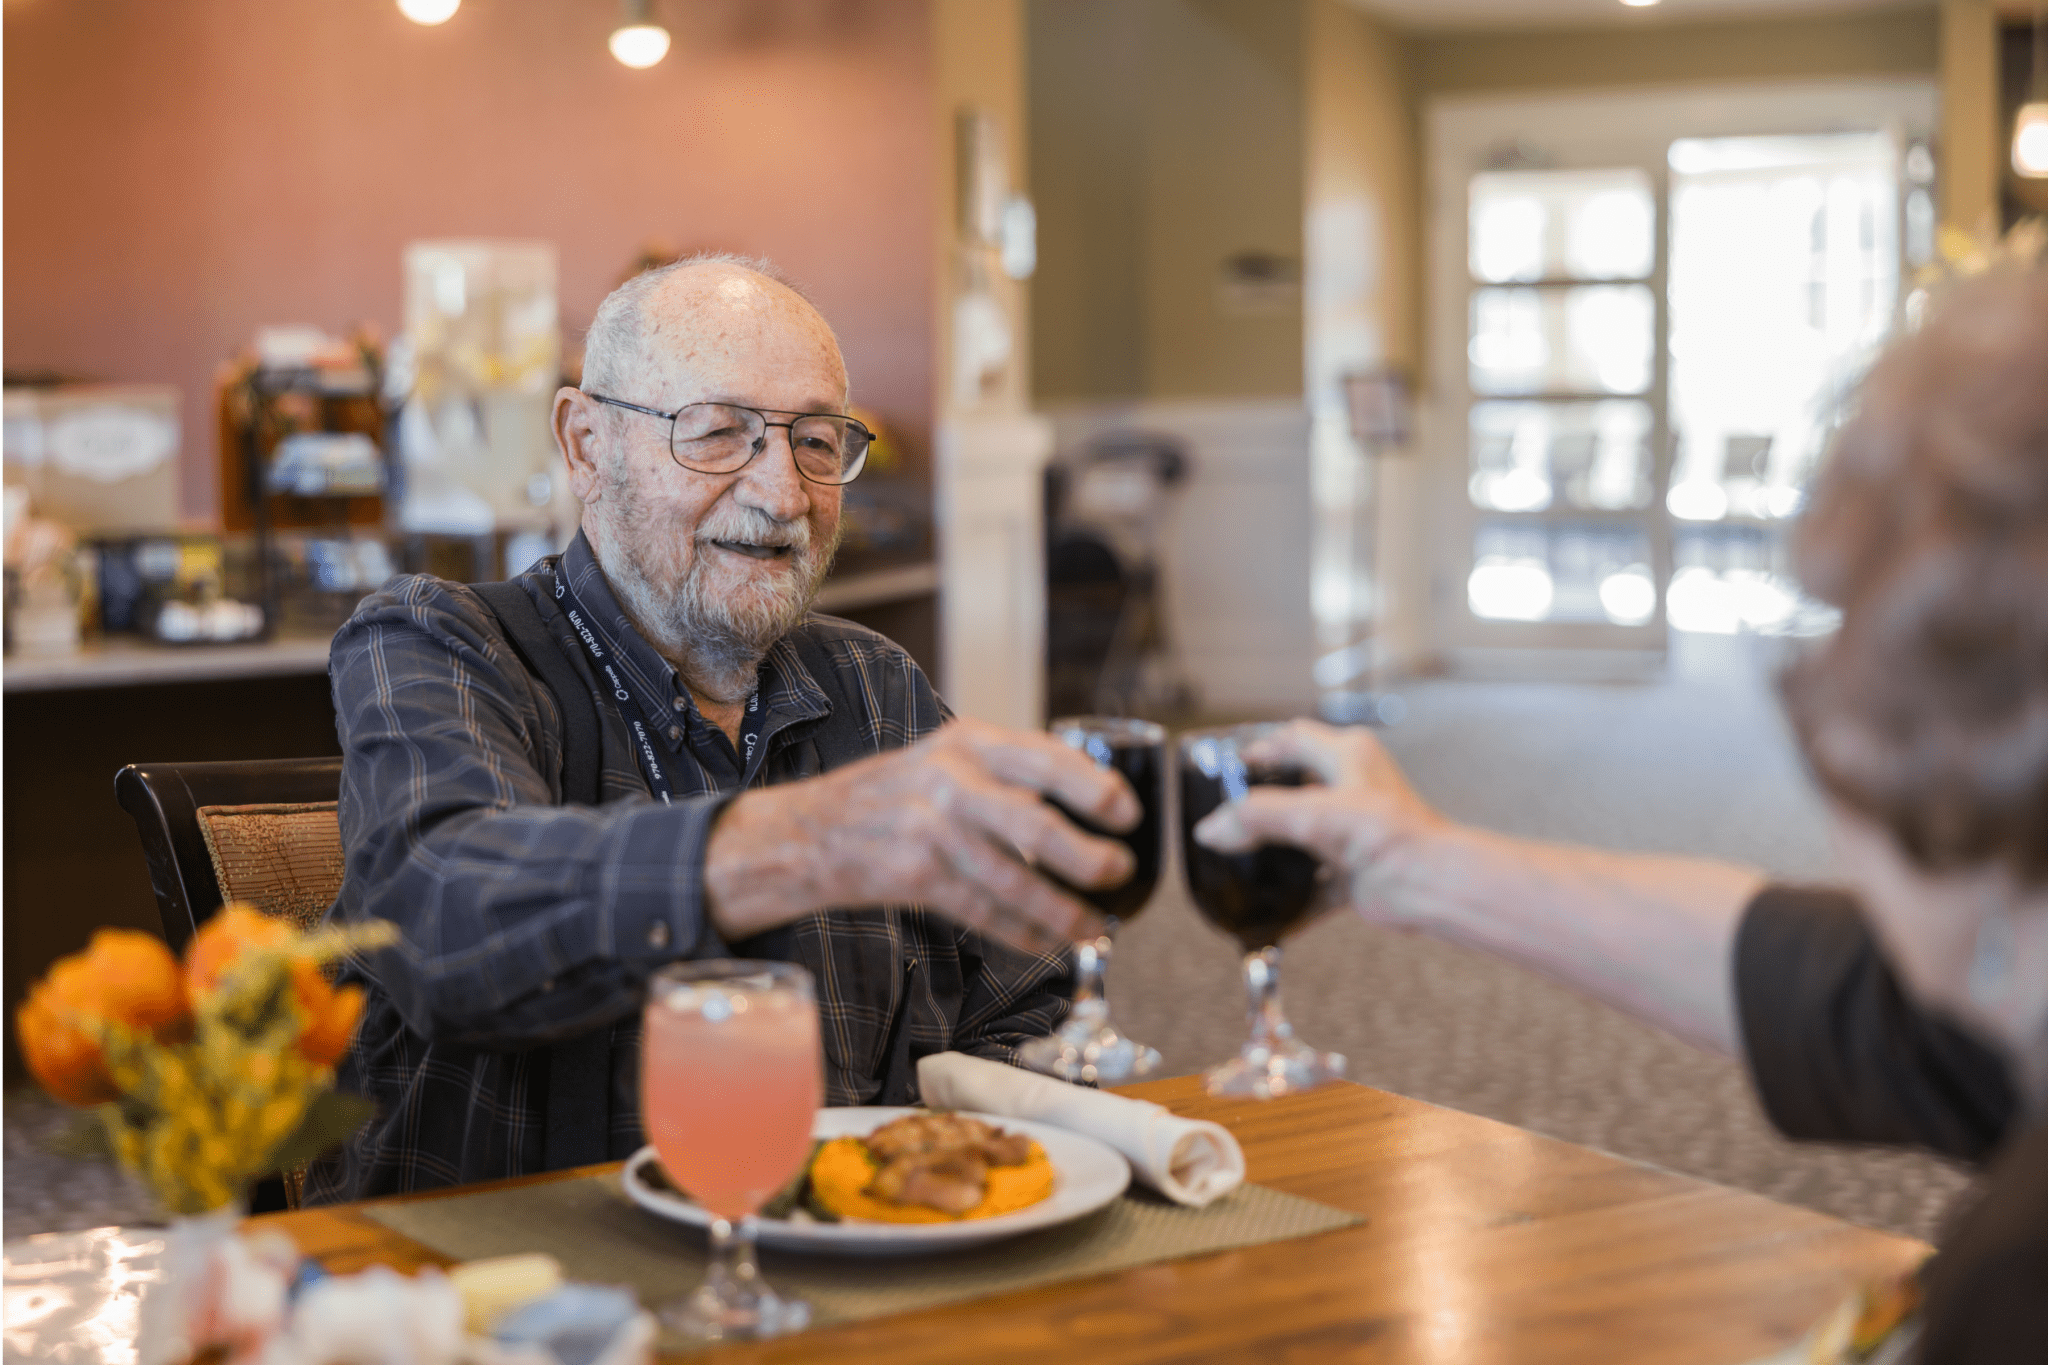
(1985, 1298)
(1837, 1050)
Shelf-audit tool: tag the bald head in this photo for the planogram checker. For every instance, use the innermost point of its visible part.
(671, 324)
(713, 567)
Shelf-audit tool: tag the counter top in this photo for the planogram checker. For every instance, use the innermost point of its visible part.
(131, 663)
(854, 591)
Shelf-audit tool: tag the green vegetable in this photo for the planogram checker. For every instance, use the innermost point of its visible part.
(815, 1206)
(797, 1191)
(785, 1201)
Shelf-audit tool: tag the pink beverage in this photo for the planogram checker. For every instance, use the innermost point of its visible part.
(730, 1080)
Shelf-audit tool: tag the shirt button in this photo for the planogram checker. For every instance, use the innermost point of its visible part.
(680, 703)
(675, 732)
(547, 985)
(657, 934)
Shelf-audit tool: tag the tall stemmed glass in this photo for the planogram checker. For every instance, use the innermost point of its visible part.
(1256, 897)
(1088, 1047)
(731, 1079)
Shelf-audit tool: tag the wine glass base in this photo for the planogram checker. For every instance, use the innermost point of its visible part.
(1089, 1052)
(709, 1316)
(1265, 1073)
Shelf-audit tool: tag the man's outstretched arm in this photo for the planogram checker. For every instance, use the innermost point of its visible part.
(1653, 936)
(954, 822)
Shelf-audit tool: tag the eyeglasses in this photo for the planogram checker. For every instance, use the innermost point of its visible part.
(723, 438)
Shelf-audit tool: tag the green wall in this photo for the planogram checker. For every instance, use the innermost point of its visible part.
(1169, 135)
(1166, 137)
(1653, 51)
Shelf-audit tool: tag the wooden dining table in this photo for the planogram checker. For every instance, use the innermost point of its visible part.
(1482, 1243)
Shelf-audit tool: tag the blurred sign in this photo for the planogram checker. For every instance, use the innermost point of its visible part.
(97, 457)
(1258, 284)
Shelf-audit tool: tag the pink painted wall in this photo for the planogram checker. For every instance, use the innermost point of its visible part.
(179, 172)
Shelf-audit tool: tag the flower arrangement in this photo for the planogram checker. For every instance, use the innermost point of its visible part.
(210, 1074)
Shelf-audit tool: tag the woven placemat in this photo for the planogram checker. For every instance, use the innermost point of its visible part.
(599, 1235)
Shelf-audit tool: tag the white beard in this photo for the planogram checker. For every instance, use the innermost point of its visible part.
(716, 637)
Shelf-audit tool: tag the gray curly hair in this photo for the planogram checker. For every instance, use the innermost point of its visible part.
(1928, 712)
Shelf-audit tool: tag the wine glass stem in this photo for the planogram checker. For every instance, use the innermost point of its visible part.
(1270, 1029)
(1091, 957)
(733, 1275)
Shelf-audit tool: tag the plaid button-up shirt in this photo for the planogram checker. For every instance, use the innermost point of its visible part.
(525, 921)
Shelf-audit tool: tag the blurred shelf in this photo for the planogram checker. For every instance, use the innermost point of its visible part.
(853, 591)
(130, 663)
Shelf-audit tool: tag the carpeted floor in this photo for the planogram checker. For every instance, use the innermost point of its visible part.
(1699, 764)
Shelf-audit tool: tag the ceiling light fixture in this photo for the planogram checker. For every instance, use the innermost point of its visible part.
(639, 42)
(429, 12)
(1638, 4)
(2030, 129)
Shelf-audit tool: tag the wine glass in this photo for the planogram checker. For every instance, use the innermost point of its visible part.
(1088, 1047)
(1256, 897)
(731, 1079)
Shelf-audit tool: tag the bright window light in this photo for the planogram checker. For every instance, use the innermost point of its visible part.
(1697, 500)
(429, 12)
(1783, 500)
(1629, 597)
(1699, 600)
(2030, 140)
(640, 45)
(1512, 490)
(1503, 589)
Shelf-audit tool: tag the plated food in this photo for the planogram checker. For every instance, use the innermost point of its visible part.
(930, 1168)
(900, 1181)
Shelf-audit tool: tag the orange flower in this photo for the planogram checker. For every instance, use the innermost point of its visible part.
(224, 938)
(123, 977)
(330, 1023)
(330, 1014)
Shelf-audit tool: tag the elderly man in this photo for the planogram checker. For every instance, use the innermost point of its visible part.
(647, 748)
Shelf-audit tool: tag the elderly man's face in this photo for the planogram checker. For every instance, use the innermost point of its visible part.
(718, 566)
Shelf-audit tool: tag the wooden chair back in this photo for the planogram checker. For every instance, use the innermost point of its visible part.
(260, 831)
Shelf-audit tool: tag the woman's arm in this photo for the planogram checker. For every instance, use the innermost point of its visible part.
(1653, 936)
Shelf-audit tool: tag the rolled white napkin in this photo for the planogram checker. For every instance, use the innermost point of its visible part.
(1190, 1161)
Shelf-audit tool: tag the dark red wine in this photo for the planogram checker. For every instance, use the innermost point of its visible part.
(1256, 897)
(1144, 767)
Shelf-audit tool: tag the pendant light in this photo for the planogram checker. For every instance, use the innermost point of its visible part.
(429, 12)
(2030, 129)
(639, 42)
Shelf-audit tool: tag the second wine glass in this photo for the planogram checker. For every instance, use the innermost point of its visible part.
(1088, 1047)
(1256, 897)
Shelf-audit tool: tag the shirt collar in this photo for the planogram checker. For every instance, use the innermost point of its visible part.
(789, 692)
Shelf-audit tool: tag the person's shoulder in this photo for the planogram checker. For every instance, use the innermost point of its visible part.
(418, 601)
(851, 659)
(848, 640)
(419, 617)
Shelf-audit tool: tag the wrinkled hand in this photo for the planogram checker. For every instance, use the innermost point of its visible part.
(950, 822)
(1363, 820)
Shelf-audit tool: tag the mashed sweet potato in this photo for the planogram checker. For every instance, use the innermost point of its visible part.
(843, 1169)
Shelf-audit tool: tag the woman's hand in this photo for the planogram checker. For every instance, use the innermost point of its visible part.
(1365, 820)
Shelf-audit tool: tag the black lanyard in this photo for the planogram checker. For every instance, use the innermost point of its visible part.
(636, 715)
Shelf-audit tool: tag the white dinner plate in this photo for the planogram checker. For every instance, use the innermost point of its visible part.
(1087, 1175)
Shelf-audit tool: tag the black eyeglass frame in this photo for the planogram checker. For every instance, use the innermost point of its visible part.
(760, 442)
